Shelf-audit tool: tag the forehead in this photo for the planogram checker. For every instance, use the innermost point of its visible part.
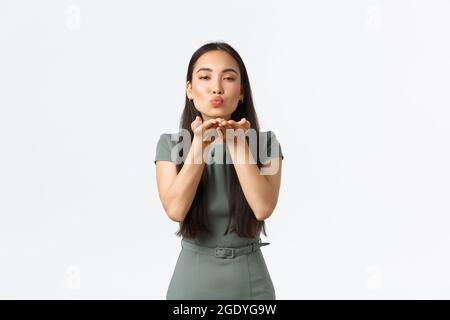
(217, 61)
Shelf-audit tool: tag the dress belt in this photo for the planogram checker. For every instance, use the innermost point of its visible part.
(224, 253)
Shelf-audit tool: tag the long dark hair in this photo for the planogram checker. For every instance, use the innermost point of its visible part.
(242, 219)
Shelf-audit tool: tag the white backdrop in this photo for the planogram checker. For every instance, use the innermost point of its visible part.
(357, 93)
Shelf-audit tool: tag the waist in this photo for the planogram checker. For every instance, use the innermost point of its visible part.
(224, 252)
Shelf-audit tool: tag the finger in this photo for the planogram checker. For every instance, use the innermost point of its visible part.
(221, 122)
(210, 123)
(244, 123)
(235, 125)
(247, 124)
(220, 132)
(197, 122)
(227, 125)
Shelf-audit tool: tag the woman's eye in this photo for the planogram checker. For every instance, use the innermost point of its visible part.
(206, 77)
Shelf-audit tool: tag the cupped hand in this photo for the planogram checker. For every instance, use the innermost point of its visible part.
(202, 130)
(242, 124)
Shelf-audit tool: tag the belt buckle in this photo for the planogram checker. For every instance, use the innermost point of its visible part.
(224, 253)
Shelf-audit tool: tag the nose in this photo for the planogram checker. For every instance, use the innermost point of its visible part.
(217, 89)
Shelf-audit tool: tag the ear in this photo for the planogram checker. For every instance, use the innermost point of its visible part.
(188, 90)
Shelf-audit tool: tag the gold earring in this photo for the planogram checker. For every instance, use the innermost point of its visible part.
(240, 101)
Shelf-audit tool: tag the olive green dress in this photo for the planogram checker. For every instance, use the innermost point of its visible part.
(200, 276)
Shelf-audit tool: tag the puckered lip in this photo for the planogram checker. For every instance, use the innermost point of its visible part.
(216, 99)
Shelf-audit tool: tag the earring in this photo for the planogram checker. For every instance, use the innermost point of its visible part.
(240, 101)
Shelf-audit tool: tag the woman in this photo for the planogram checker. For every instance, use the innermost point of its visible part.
(219, 199)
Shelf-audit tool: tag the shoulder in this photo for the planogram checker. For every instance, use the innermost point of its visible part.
(168, 141)
(165, 146)
(168, 138)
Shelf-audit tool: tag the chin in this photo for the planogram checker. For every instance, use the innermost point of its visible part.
(217, 111)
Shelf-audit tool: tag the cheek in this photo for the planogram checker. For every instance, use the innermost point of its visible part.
(234, 89)
(200, 89)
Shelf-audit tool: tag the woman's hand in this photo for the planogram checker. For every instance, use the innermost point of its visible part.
(235, 133)
(203, 130)
(243, 125)
(203, 133)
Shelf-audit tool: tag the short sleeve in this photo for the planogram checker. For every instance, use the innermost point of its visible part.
(271, 147)
(163, 148)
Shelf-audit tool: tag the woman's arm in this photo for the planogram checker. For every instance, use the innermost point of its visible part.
(261, 191)
(177, 191)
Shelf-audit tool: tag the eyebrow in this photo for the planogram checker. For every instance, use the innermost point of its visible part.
(224, 70)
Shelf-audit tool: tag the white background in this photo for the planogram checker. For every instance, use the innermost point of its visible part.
(357, 93)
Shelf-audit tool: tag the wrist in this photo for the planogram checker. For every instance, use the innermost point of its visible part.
(196, 151)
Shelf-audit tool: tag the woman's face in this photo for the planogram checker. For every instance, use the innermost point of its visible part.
(216, 75)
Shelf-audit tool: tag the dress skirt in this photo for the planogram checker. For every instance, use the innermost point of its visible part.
(199, 276)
